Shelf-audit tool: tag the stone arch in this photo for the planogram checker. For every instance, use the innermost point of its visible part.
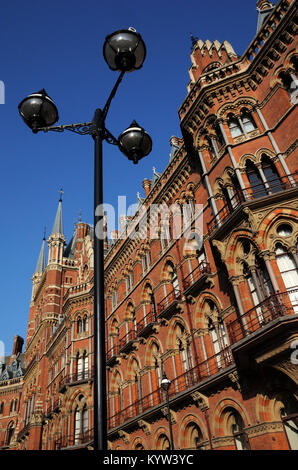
(173, 326)
(235, 106)
(147, 289)
(188, 421)
(138, 444)
(133, 366)
(73, 399)
(267, 225)
(116, 379)
(233, 254)
(153, 340)
(200, 316)
(220, 415)
(161, 439)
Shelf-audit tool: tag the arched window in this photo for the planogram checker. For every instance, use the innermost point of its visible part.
(219, 137)
(234, 126)
(259, 285)
(77, 425)
(85, 365)
(256, 183)
(247, 121)
(1, 407)
(9, 433)
(289, 81)
(184, 348)
(194, 437)
(79, 367)
(289, 273)
(271, 175)
(80, 421)
(79, 325)
(85, 323)
(212, 150)
(156, 363)
(114, 337)
(236, 428)
(114, 298)
(163, 443)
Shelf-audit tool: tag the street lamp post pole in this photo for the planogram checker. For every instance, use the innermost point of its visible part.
(124, 51)
(165, 384)
(100, 406)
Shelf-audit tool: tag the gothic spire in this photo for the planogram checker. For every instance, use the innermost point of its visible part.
(58, 224)
(41, 262)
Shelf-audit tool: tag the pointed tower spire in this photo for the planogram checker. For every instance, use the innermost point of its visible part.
(41, 262)
(58, 224)
(57, 239)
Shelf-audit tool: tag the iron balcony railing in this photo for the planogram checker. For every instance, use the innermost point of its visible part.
(127, 339)
(251, 193)
(113, 352)
(275, 306)
(196, 274)
(188, 379)
(76, 377)
(75, 439)
(168, 301)
(145, 322)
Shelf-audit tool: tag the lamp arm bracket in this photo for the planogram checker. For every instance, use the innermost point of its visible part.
(81, 128)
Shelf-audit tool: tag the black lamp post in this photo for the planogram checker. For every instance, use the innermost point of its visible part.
(124, 51)
(165, 384)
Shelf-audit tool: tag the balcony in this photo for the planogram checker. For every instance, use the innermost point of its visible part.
(169, 305)
(73, 379)
(75, 440)
(191, 378)
(264, 326)
(147, 325)
(249, 194)
(112, 355)
(54, 407)
(194, 280)
(128, 342)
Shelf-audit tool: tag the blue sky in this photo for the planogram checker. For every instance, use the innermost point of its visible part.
(57, 45)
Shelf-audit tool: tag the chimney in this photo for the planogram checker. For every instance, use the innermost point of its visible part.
(17, 345)
(147, 186)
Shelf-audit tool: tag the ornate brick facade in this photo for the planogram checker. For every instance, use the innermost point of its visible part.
(210, 298)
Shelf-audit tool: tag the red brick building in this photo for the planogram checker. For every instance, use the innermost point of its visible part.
(204, 288)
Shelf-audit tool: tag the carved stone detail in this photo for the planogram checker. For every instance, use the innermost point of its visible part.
(145, 426)
(201, 400)
(164, 411)
(124, 435)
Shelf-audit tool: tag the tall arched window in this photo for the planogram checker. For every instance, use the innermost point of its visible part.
(247, 121)
(85, 323)
(10, 433)
(79, 367)
(237, 429)
(271, 175)
(234, 126)
(77, 425)
(81, 424)
(256, 183)
(289, 273)
(85, 365)
(184, 348)
(114, 337)
(79, 325)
